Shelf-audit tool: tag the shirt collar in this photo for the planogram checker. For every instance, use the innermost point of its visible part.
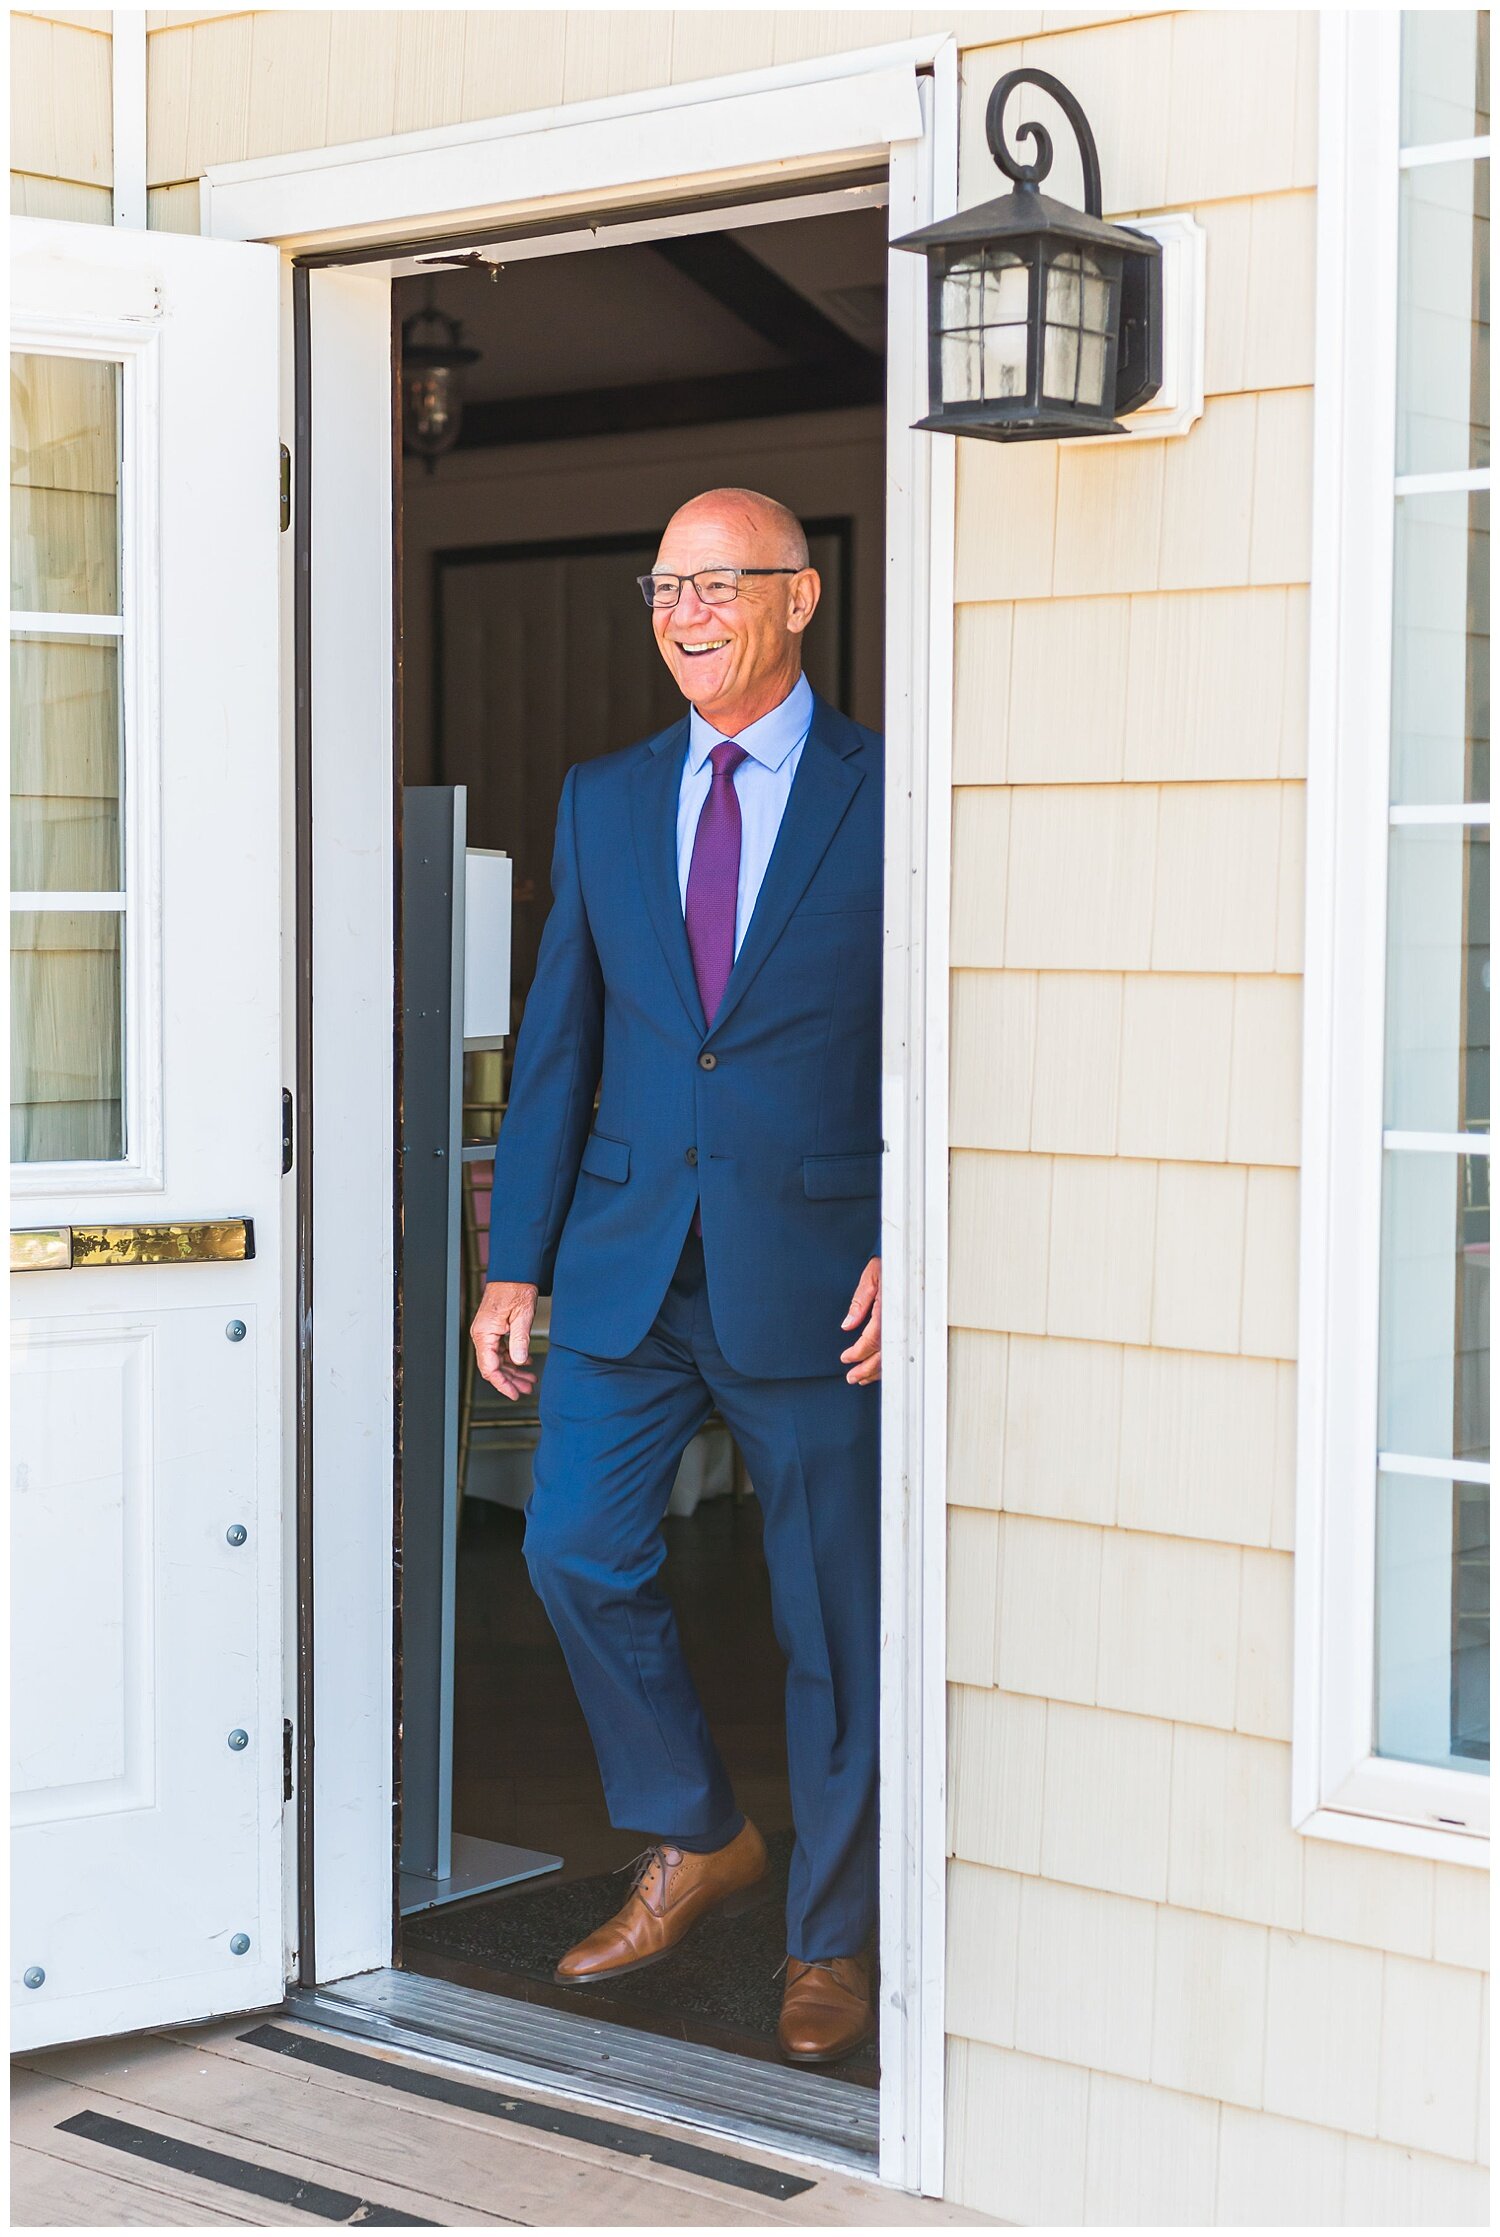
(768, 740)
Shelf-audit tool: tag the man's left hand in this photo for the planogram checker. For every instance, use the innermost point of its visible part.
(864, 1352)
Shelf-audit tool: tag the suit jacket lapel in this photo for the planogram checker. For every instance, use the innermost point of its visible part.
(822, 789)
(654, 812)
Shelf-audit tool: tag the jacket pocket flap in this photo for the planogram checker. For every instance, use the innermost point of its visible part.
(607, 1159)
(842, 1176)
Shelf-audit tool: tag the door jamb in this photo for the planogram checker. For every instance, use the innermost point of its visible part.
(919, 570)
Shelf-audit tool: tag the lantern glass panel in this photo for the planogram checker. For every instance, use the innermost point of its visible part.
(1077, 345)
(963, 293)
(1093, 355)
(1060, 361)
(1005, 361)
(1007, 287)
(984, 326)
(1065, 293)
(962, 382)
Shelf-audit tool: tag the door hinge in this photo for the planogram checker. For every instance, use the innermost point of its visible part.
(286, 489)
(286, 1130)
(286, 1759)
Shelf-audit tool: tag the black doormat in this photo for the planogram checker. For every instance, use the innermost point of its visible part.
(727, 1974)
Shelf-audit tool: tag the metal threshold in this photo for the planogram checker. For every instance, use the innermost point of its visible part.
(754, 2101)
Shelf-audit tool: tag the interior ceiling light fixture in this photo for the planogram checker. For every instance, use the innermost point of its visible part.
(434, 356)
(1043, 321)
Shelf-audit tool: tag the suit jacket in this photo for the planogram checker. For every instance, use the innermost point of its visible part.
(771, 1116)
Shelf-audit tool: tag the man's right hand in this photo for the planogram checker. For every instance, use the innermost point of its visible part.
(502, 1337)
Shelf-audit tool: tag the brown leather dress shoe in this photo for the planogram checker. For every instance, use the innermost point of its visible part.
(673, 1889)
(825, 2011)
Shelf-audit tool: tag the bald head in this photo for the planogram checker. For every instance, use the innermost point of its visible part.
(735, 659)
(749, 520)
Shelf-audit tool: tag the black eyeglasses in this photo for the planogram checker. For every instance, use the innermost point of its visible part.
(714, 585)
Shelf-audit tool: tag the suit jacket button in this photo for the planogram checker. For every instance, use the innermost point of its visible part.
(708, 1060)
(692, 1157)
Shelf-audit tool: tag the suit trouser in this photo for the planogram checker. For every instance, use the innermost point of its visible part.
(612, 1434)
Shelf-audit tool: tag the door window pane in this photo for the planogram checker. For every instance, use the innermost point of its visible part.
(65, 754)
(65, 1035)
(1440, 696)
(1443, 332)
(1432, 1621)
(1445, 75)
(64, 485)
(1437, 1050)
(1435, 1305)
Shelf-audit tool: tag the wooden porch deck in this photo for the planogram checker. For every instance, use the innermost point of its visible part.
(273, 2124)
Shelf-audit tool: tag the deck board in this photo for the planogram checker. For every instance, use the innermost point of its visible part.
(454, 2165)
(837, 2199)
(67, 2094)
(48, 2191)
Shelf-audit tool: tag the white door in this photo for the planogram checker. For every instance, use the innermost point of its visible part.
(146, 1127)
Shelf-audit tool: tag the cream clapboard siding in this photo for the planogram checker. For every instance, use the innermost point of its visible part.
(1163, 2005)
(61, 129)
(227, 86)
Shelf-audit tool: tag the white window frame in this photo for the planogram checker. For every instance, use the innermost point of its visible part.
(1340, 1788)
(134, 345)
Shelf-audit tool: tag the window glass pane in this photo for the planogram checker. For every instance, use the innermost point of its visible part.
(1432, 1621)
(1445, 75)
(1440, 677)
(65, 1035)
(1437, 1049)
(64, 485)
(1435, 1305)
(1443, 332)
(65, 764)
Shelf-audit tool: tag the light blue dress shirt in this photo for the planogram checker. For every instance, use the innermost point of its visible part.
(761, 783)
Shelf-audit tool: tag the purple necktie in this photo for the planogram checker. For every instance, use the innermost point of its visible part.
(713, 889)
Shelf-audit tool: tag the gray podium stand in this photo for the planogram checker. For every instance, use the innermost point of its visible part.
(437, 904)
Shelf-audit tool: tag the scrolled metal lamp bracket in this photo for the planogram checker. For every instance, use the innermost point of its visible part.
(1031, 174)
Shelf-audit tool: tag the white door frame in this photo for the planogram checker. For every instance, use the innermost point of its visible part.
(705, 141)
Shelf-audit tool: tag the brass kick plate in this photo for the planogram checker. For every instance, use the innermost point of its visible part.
(35, 1250)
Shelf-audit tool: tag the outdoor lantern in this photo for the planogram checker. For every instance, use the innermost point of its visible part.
(432, 404)
(1043, 321)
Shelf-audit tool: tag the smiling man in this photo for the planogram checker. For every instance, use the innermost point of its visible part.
(710, 1236)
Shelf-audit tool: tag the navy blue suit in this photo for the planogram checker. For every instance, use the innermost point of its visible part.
(770, 1117)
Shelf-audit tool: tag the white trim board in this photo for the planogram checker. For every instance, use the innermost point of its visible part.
(127, 55)
(353, 1017)
(764, 128)
(920, 490)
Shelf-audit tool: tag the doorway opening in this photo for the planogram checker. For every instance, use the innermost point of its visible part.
(608, 387)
